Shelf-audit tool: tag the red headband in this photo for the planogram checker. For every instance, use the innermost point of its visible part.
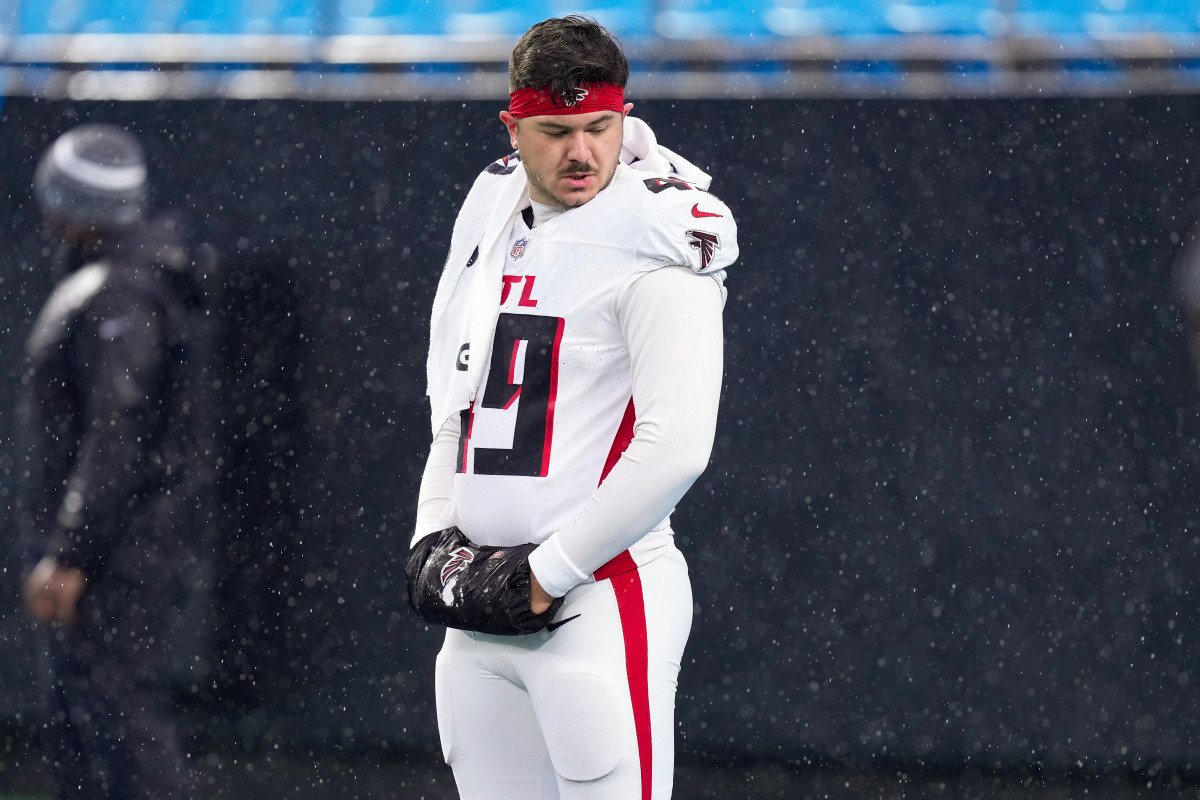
(589, 97)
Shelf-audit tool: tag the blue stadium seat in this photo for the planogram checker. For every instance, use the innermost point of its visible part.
(90, 16)
(283, 17)
(945, 17)
(1075, 19)
(52, 16)
(506, 20)
(628, 21)
(696, 19)
(156, 16)
(482, 19)
(274, 17)
(797, 18)
(709, 19)
(390, 17)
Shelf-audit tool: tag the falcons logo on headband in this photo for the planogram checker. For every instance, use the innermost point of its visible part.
(579, 96)
(707, 243)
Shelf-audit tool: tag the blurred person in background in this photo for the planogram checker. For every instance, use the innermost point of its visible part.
(110, 497)
(574, 371)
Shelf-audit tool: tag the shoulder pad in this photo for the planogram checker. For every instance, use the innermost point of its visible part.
(687, 226)
(504, 166)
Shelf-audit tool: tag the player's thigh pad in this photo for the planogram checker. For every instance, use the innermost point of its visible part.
(484, 718)
(586, 722)
(488, 731)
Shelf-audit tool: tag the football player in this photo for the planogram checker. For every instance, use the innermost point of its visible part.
(574, 375)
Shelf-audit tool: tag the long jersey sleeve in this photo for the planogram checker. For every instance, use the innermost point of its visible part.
(437, 481)
(671, 320)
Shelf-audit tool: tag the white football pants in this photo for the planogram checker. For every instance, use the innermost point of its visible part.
(583, 712)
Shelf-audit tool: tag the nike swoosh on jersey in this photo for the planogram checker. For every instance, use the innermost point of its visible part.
(553, 626)
(696, 212)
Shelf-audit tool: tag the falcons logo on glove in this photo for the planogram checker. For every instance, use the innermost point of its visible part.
(454, 582)
(707, 243)
(459, 561)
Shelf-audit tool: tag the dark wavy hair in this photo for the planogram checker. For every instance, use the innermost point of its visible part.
(564, 52)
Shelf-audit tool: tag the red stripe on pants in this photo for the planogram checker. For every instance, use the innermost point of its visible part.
(631, 605)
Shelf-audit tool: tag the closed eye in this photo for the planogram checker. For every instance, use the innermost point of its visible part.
(556, 133)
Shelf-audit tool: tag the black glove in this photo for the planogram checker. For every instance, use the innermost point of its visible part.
(454, 582)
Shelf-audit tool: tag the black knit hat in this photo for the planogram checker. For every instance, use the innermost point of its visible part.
(93, 175)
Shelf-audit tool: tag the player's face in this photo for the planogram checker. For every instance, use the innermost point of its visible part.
(568, 158)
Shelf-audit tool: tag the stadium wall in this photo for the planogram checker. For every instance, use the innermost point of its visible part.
(951, 515)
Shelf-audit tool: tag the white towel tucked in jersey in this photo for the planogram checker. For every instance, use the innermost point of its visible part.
(640, 149)
(467, 303)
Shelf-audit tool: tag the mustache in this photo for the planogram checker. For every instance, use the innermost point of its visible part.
(578, 167)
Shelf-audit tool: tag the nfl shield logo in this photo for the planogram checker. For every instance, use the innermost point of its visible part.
(519, 248)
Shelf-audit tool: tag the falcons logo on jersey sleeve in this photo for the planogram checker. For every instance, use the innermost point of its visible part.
(707, 243)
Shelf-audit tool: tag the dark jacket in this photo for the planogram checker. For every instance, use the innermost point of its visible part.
(110, 409)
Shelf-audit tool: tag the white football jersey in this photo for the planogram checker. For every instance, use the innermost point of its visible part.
(556, 407)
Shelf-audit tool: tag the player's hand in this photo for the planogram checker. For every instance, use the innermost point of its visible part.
(52, 592)
(539, 600)
(454, 582)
